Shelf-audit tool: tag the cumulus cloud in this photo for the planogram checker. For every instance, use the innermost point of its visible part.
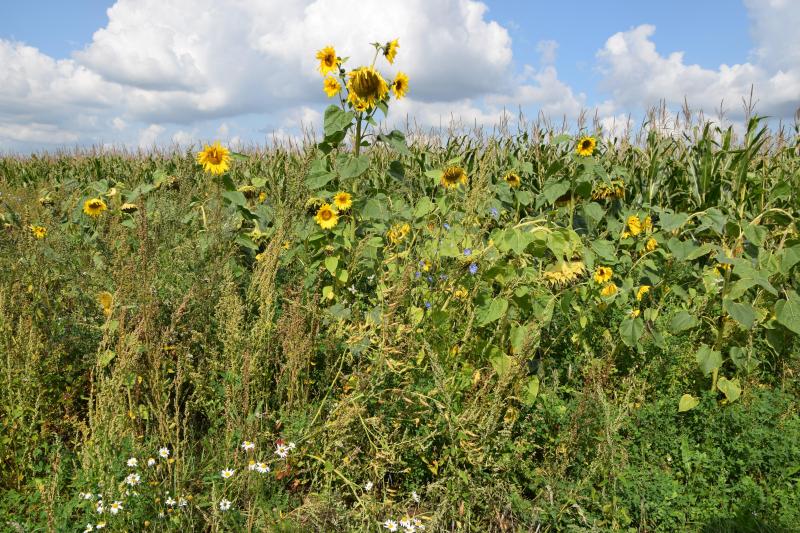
(638, 76)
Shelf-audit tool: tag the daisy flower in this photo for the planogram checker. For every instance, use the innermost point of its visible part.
(247, 446)
(132, 462)
(163, 453)
(227, 473)
(262, 468)
(115, 507)
(170, 502)
(390, 524)
(152, 462)
(224, 504)
(133, 479)
(282, 450)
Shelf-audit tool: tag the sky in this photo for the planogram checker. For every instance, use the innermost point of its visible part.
(144, 73)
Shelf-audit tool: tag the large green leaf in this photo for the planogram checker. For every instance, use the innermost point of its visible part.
(495, 309)
(708, 360)
(555, 190)
(631, 330)
(682, 321)
(730, 388)
(787, 312)
(336, 120)
(355, 166)
(687, 403)
(742, 312)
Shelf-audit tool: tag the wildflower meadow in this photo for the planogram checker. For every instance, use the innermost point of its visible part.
(519, 330)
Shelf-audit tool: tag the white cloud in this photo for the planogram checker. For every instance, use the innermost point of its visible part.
(638, 76)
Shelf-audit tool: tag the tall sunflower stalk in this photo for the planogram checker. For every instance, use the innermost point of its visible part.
(362, 90)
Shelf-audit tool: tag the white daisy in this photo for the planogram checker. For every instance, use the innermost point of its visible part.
(152, 462)
(227, 473)
(282, 451)
(292, 446)
(390, 524)
(163, 452)
(100, 508)
(133, 462)
(89, 527)
(415, 496)
(224, 504)
(247, 445)
(133, 479)
(262, 468)
(182, 502)
(251, 465)
(170, 502)
(115, 507)
(100, 525)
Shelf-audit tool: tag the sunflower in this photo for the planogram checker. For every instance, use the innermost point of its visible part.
(398, 232)
(366, 84)
(609, 290)
(261, 197)
(358, 104)
(327, 217)
(331, 86)
(635, 313)
(39, 232)
(651, 244)
(603, 274)
(327, 60)
(513, 180)
(128, 208)
(214, 158)
(642, 292)
(586, 146)
(343, 201)
(564, 272)
(249, 191)
(647, 224)
(106, 300)
(400, 85)
(452, 176)
(94, 207)
(390, 51)
(634, 225)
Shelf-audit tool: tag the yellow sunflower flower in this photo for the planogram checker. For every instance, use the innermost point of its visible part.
(513, 180)
(398, 232)
(400, 85)
(647, 224)
(128, 208)
(635, 313)
(261, 197)
(603, 274)
(94, 207)
(642, 292)
(106, 301)
(452, 176)
(215, 158)
(327, 60)
(634, 225)
(331, 86)
(651, 244)
(586, 146)
(39, 232)
(610, 289)
(390, 51)
(564, 272)
(343, 201)
(366, 83)
(327, 217)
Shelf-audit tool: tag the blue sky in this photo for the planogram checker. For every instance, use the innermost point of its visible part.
(146, 80)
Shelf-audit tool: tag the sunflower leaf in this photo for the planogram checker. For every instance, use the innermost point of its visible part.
(337, 120)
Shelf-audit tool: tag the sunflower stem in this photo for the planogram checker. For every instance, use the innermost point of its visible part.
(357, 147)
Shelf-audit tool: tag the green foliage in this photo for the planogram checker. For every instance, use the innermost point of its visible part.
(460, 343)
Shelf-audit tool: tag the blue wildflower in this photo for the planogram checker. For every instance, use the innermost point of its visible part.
(427, 305)
(467, 252)
(446, 226)
(473, 268)
(494, 212)
(417, 274)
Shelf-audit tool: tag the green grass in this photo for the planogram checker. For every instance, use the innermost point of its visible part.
(504, 401)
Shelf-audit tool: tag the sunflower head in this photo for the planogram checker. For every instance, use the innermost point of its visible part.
(327, 217)
(39, 232)
(603, 274)
(651, 244)
(128, 208)
(586, 146)
(564, 272)
(390, 51)
(94, 207)
(106, 301)
(642, 292)
(453, 176)
(400, 85)
(634, 225)
(610, 289)
(366, 84)
(343, 200)
(513, 180)
(398, 232)
(331, 86)
(215, 158)
(327, 60)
